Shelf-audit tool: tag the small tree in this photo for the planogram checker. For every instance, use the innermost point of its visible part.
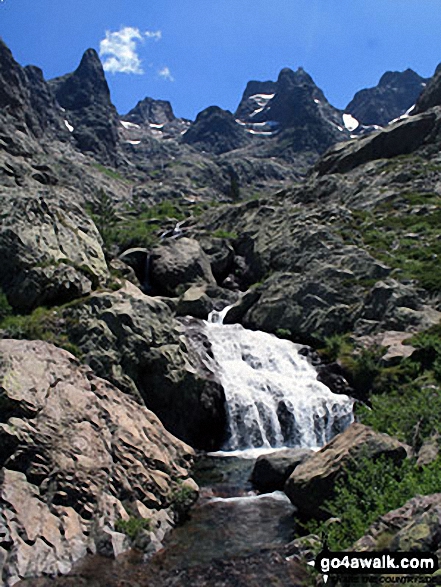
(234, 186)
(104, 216)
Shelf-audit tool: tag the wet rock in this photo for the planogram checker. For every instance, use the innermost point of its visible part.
(221, 256)
(271, 471)
(312, 482)
(85, 453)
(194, 302)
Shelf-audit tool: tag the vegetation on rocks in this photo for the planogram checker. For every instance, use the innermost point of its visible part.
(133, 526)
(404, 234)
(373, 489)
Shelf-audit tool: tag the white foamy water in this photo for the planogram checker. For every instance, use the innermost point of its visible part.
(272, 394)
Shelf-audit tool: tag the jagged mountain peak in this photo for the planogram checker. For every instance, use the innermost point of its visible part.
(215, 130)
(86, 85)
(392, 78)
(151, 111)
(395, 94)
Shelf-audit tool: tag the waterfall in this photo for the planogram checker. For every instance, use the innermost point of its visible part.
(272, 394)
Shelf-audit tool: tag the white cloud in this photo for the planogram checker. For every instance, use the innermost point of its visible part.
(157, 35)
(120, 49)
(165, 73)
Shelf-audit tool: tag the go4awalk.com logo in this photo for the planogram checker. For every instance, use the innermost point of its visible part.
(374, 563)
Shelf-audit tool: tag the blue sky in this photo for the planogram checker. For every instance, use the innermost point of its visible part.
(197, 53)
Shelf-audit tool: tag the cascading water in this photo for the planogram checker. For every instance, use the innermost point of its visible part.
(272, 393)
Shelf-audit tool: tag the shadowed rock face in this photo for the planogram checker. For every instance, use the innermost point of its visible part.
(135, 341)
(216, 131)
(85, 96)
(432, 94)
(395, 93)
(151, 111)
(77, 455)
(25, 97)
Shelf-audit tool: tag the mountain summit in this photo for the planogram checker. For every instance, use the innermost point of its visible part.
(396, 92)
(91, 116)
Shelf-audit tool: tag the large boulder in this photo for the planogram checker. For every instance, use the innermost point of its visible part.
(50, 249)
(77, 455)
(177, 264)
(271, 471)
(313, 482)
(134, 341)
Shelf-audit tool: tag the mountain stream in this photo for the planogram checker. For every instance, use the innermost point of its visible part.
(273, 401)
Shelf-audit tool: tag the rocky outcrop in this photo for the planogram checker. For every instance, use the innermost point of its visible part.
(401, 138)
(272, 470)
(50, 250)
(396, 92)
(177, 264)
(311, 281)
(90, 114)
(414, 527)
(134, 341)
(77, 456)
(216, 131)
(313, 482)
(27, 107)
(255, 95)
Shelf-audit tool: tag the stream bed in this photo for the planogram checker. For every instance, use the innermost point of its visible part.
(232, 538)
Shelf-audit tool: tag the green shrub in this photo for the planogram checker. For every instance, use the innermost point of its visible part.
(42, 324)
(133, 526)
(336, 347)
(5, 307)
(411, 412)
(220, 233)
(284, 333)
(371, 489)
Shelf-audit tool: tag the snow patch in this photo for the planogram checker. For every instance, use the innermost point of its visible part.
(256, 112)
(262, 99)
(403, 116)
(316, 101)
(69, 127)
(259, 132)
(129, 125)
(133, 142)
(350, 122)
(152, 125)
